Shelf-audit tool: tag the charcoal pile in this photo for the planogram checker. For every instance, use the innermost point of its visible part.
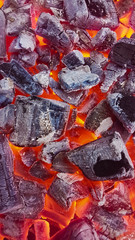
(67, 119)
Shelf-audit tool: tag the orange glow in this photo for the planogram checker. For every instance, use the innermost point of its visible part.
(121, 31)
(92, 33)
(130, 32)
(86, 54)
(1, 4)
(41, 40)
(42, 230)
(82, 206)
(125, 19)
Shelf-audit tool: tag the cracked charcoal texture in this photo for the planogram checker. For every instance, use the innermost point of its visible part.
(2, 35)
(6, 92)
(103, 159)
(41, 120)
(38, 170)
(94, 67)
(43, 78)
(7, 119)
(26, 60)
(73, 59)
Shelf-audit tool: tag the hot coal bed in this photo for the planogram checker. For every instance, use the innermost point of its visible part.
(67, 119)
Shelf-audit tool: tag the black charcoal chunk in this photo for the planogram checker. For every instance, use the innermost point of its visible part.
(6, 91)
(28, 156)
(99, 120)
(40, 119)
(67, 188)
(94, 67)
(84, 40)
(2, 35)
(42, 78)
(112, 73)
(49, 27)
(91, 14)
(123, 53)
(9, 198)
(123, 107)
(129, 86)
(21, 77)
(7, 119)
(18, 19)
(123, 6)
(51, 149)
(104, 159)
(44, 54)
(25, 59)
(73, 59)
(98, 58)
(89, 103)
(75, 97)
(38, 170)
(76, 79)
(104, 39)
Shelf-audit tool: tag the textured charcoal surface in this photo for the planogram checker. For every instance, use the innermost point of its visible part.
(129, 87)
(132, 18)
(26, 59)
(76, 79)
(89, 103)
(123, 53)
(2, 35)
(123, 6)
(49, 27)
(73, 59)
(50, 150)
(7, 119)
(41, 120)
(53, 3)
(21, 77)
(72, 118)
(94, 67)
(104, 159)
(6, 92)
(123, 107)
(99, 58)
(42, 78)
(39, 171)
(84, 40)
(99, 119)
(28, 156)
(44, 54)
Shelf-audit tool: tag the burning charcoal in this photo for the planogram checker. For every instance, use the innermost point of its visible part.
(123, 7)
(103, 159)
(28, 156)
(123, 107)
(39, 171)
(41, 120)
(112, 72)
(91, 14)
(89, 103)
(123, 53)
(102, 236)
(94, 67)
(9, 198)
(72, 35)
(117, 201)
(59, 13)
(79, 229)
(53, 3)
(41, 229)
(60, 164)
(2, 35)
(50, 150)
(84, 41)
(97, 192)
(21, 77)
(44, 54)
(73, 59)
(55, 61)
(98, 58)
(76, 79)
(42, 78)
(104, 39)
(75, 97)
(7, 119)
(25, 41)
(99, 119)
(26, 59)
(67, 188)
(72, 118)
(129, 87)
(18, 19)
(14, 3)
(6, 91)
(49, 27)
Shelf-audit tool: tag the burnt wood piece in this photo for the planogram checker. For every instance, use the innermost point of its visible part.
(75, 97)
(73, 59)
(42, 78)
(123, 6)
(40, 119)
(123, 53)
(100, 119)
(38, 170)
(91, 14)
(79, 229)
(94, 67)
(67, 188)
(89, 103)
(84, 40)
(2, 35)
(99, 58)
(104, 39)
(50, 150)
(21, 77)
(9, 197)
(112, 73)
(6, 91)
(7, 119)
(49, 27)
(123, 107)
(76, 79)
(28, 156)
(26, 59)
(103, 159)
(132, 17)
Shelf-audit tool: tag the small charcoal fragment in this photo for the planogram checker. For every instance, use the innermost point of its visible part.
(72, 118)
(75, 97)
(123, 53)
(39, 171)
(2, 35)
(73, 59)
(21, 77)
(44, 54)
(123, 6)
(50, 150)
(28, 156)
(76, 79)
(104, 39)
(104, 159)
(94, 67)
(49, 27)
(98, 58)
(89, 103)
(67, 188)
(123, 107)
(129, 87)
(7, 119)
(6, 91)
(26, 59)
(84, 40)
(40, 119)
(99, 119)
(55, 61)
(42, 78)
(62, 165)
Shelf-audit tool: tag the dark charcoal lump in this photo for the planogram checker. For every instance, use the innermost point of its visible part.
(28, 156)
(89, 103)
(6, 92)
(44, 54)
(27, 59)
(84, 40)
(98, 58)
(94, 67)
(132, 18)
(97, 9)
(7, 119)
(73, 59)
(2, 35)
(129, 86)
(38, 170)
(123, 6)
